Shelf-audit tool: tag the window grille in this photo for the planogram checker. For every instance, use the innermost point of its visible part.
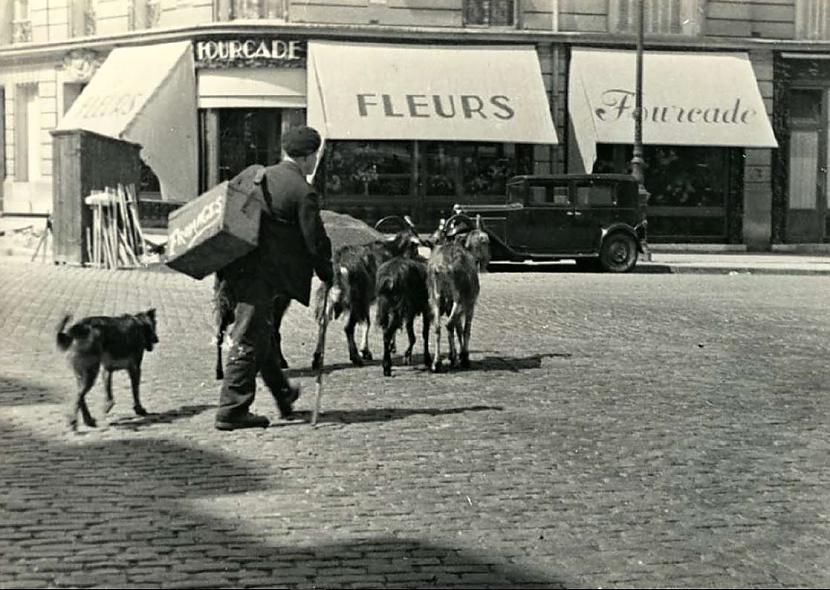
(490, 13)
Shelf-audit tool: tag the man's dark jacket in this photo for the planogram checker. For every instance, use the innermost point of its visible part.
(293, 243)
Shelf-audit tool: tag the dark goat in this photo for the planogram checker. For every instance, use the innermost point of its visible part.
(224, 304)
(353, 288)
(453, 286)
(402, 295)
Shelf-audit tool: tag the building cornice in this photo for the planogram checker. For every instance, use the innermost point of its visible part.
(55, 50)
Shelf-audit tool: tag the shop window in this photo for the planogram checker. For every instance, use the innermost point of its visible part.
(490, 13)
(21, 24)
(369, 168)
(471, 170)
(251, 9)
(663, 17)
(812, 19)
(144, 14)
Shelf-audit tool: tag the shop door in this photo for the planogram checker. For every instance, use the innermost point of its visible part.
(247, 136)
(807, 185)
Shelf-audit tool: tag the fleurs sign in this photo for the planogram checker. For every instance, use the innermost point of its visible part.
(250, 52)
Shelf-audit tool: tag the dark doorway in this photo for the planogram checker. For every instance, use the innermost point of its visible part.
(247, 136)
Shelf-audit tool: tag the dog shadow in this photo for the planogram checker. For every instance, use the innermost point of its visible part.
(371, 415)
(168, 417)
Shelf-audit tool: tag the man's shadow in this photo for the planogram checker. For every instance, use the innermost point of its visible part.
(387, 414)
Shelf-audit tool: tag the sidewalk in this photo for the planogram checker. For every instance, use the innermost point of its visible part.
(741, 262)
(20, 238)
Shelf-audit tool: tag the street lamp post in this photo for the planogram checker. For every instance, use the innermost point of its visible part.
(637, 159)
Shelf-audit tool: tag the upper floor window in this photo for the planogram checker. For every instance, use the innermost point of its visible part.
(81, 18)
(662, 17)
(21, 24)
(812, 19)
(251, 9)
(144, 14)
(490, 13)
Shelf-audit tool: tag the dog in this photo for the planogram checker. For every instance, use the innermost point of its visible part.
(109, 342)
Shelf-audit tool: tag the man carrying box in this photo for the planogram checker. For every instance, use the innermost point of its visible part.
(293, 244)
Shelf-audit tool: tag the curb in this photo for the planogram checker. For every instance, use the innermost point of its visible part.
(658, 268)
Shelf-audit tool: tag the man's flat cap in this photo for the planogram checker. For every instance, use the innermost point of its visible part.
(301, 141)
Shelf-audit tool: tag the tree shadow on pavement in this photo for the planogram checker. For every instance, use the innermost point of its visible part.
(21, 392)
(388, 414)
(131, 513)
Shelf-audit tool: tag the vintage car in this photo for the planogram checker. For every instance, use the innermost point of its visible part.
(597, 219)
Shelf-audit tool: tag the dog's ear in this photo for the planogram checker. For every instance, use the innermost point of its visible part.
(152, 313)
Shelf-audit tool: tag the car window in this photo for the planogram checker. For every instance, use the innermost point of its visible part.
(538, 195)
(561, 195)
(595, 195)
(548, 194)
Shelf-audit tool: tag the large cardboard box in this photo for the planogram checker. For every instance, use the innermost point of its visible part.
(213, 230)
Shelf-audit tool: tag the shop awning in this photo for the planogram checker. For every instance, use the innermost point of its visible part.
(252, 88)
(428, 92)
(709, 99)
(147, 95)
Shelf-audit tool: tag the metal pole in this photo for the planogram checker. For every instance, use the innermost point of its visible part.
(637, 160)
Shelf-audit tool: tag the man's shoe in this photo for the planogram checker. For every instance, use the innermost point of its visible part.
(285, 401)
(246, 421)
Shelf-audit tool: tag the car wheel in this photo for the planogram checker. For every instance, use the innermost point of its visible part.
(618, 253)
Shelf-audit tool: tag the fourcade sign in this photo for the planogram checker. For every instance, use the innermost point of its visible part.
(250, 52)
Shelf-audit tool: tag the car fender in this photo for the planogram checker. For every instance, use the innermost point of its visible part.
(622, 228)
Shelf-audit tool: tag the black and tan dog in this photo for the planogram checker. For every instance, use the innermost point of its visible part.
(109, 342)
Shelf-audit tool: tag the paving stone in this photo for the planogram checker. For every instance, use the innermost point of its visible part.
(629, 431)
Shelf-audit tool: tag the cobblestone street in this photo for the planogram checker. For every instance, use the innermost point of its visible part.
(643, 430)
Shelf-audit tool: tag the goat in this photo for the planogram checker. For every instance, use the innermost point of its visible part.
(353, 289)
(224, 304)
(402, 295)
(453, 286)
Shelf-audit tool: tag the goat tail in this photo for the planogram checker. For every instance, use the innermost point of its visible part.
(63, 340)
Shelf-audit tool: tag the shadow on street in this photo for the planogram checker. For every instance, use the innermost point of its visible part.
(388, 414)
(117, 513)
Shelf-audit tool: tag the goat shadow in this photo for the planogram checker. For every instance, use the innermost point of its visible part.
(370, 415)
(485, 364)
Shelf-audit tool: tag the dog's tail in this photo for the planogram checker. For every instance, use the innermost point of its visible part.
(63, 339)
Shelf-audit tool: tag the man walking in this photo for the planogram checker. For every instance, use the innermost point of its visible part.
(293, 244)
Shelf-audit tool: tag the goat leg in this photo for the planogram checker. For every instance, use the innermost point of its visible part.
(364, 349)
(354, 356)
(425, 333)
(453, 327)
(388, 338)
(465, 340)
(410, 331)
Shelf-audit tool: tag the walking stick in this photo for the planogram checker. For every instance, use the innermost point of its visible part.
(321, 339)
